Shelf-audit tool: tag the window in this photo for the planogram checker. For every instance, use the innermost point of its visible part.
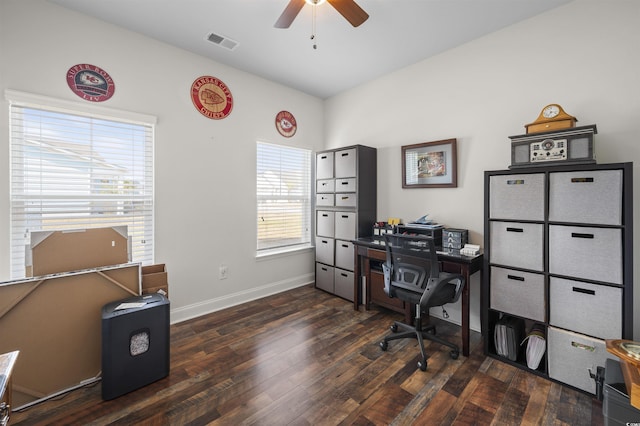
(74, 170)
(283, 186)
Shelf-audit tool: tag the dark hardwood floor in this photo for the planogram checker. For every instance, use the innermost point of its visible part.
(304, 357)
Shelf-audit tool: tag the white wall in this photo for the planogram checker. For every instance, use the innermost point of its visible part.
(205, 169)
(584, 56)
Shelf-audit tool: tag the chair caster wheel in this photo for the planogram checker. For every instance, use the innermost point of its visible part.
(384, 345)
(454, 354)
(394, 328)
(422, 365)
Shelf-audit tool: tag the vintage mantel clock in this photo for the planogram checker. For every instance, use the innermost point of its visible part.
(552, 117)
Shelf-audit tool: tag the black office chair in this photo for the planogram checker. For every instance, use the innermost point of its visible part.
(412, 274)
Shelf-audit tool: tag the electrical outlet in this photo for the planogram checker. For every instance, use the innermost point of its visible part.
(223, 272)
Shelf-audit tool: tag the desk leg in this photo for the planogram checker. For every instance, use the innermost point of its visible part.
(357, 279)
(465, 311)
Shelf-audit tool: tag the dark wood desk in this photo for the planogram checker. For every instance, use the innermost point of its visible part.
(367, 249)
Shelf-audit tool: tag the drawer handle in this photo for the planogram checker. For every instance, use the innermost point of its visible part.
(582, 180)
(324, 157)
(345, 216)
(325, 215)
(345, 154)
(580, 235)
(583, 346)
(345, 245)
(584, 290)
(515, 182)
(344, 183)
(324, 184)
(344, 275)
(345, 197)
(324, 269)
(515, 230)
(515, 277)
(324, 242)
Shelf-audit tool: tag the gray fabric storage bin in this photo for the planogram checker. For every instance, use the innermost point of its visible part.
(343, 283)
(517, 197)
(346, 200)
(324, 277)
(345, 163)
(324, 250)
(325, 200)
(344, 255)
(586, 308)
(593, 196)
(325, 186)
(325, 224)
(346, 185)
(345, 226)
(518, 293)
(517, 244)
(571, 356)
(324, 165)
(586, 252)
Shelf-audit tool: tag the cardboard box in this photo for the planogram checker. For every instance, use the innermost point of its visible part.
(53, 252)
(154, 279)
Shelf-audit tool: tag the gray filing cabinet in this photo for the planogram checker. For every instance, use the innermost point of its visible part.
(346, 188)
(559, 253)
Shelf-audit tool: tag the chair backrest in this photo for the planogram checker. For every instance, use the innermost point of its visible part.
(412, 271)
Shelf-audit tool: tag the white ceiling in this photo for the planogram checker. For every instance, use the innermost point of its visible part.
(398, 33)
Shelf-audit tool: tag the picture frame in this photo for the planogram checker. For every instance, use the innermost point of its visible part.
(430, 165)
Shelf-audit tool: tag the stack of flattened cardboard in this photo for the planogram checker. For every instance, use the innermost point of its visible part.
(54, 318)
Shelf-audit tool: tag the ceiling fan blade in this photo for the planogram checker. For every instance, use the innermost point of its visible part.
(289, 14)
(350, 10)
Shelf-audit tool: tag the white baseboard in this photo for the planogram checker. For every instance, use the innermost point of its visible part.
(212, 305)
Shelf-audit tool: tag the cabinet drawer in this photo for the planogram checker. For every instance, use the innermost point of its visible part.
(344, 255)
(325, 224)
(517, 197)
(345, 163)
(343, 282)
(323, 200)
(571, 356)
(517, 244)
(379, 297)
(586, 308)
(324, 165)
(587, 197)
(345, 200)
(346, 185)
(325, 250)
(325, 185)
(324, 277)
(584, 252)
(345, 226)
(518, 293)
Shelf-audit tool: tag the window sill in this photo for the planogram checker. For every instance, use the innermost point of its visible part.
(281, 252)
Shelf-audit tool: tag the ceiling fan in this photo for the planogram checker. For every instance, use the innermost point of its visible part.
(347, 8)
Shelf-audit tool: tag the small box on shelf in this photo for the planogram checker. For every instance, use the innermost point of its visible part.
(154, 280)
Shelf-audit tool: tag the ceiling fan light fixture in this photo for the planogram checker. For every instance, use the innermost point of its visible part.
(315, 2)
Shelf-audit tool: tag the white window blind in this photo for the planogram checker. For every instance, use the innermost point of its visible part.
(284, 196)
(77, 171)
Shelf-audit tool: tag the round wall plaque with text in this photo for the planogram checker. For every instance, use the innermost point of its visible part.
(211, 97)
(286, 124)
(90, 82)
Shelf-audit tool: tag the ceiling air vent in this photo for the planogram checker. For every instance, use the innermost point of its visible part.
(222, 41)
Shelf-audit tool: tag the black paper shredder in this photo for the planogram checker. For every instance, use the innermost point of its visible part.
(135, 343)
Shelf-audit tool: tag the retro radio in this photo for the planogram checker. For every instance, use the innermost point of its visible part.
(574, 145)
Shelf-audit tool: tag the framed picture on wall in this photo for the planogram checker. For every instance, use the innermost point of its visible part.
(430, 165)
